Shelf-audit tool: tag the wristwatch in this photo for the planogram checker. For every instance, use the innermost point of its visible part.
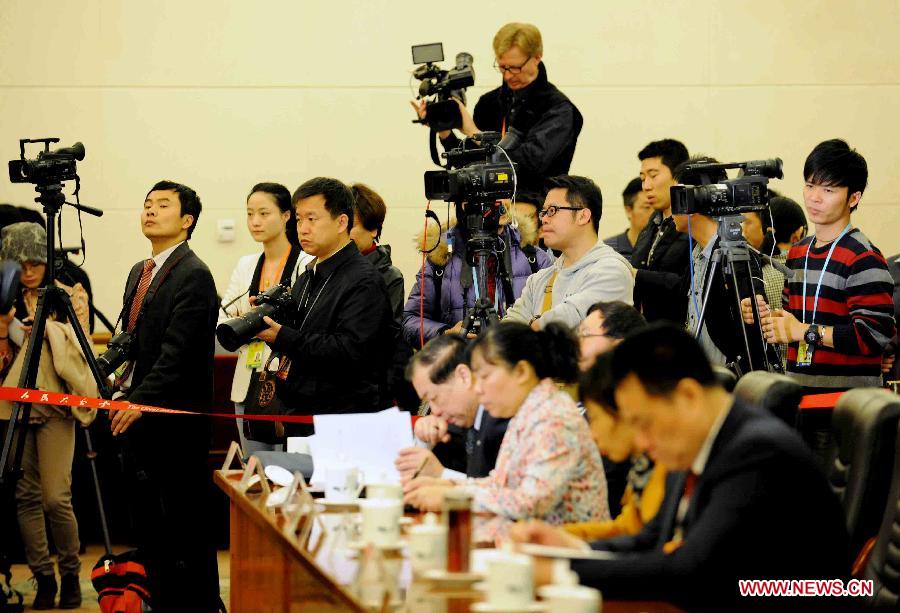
(813, 335)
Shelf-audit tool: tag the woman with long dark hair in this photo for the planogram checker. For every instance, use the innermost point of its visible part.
(271, 222)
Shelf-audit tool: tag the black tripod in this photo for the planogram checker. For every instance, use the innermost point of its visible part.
(733, 255)
(50, 299)
(479, 248)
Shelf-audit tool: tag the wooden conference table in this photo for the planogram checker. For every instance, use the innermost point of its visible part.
(272, 571)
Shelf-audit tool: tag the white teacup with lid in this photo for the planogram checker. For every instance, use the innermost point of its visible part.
(428, 545)
(565, 594)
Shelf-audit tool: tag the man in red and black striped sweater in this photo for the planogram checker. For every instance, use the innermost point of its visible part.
(837, 322)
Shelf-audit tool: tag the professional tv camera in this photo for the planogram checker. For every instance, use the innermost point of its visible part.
(444, 85)
(476, 185)
(744, 194)
(49, 166)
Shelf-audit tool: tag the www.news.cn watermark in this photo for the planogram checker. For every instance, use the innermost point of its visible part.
(806, 587)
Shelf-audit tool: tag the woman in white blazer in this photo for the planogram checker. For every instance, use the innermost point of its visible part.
(271, 222)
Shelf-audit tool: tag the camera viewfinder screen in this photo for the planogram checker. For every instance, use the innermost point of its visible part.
(432, 52)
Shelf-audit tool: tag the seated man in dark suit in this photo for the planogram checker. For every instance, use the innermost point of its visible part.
(442, 377)
(749, 503)
(170, 306)
(337, 341)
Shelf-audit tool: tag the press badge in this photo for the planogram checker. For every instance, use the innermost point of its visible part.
(804, 353)
(255, 351)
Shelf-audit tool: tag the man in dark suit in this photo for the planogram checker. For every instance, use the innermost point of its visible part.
(170, 307)
(441, 377)
(749, 501)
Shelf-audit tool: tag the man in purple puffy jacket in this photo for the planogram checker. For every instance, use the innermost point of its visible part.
(449, 289)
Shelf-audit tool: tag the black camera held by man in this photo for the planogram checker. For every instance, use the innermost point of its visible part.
(118, 351)
(442, 113)
(49, 166)
(276, 302)
(744, 194)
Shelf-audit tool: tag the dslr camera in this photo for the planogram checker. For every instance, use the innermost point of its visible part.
(728, 197)
(48, 167)
(444, 85)
(276, 302)
(118, 350)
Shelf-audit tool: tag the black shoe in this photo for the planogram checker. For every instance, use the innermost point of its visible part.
(70, 592)
(46, 592)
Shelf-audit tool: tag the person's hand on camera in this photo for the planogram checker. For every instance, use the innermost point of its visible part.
(457, 329)
(747, 309)
(420, 107)
(431, 430)
(269, 334)
(468, 126)
(413, 460)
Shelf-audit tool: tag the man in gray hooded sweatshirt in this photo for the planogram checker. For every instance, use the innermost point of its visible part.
(588, 271)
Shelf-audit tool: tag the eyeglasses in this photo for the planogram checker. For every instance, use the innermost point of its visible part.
(511, 69)
(551, 210)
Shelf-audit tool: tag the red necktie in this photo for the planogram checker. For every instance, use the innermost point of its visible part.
(143, 286)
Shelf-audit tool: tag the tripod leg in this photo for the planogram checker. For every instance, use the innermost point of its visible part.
(739, 320)
(14, 441)
(714, 264)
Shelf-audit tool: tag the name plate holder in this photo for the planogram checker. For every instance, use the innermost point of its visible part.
(234, 453)
(254, 475)
(300, 513)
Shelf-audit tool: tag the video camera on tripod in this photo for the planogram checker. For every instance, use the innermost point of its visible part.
(725, 200)
(444, 85)
(476, 185)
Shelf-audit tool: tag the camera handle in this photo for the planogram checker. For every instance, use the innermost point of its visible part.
(50, 298)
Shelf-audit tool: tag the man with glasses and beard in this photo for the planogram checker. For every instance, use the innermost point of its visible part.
(539, 124)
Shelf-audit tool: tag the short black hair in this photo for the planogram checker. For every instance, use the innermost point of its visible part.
(671, 151)
(582, 192)
(833, 162)
(338, 197)
(188, 198)
(282, 198)
(694, 177)
(530, 196)
(596, 384)
(787, 216)
(442, 354)
(660, 356)
(619, 318)
(552, 352)
(631, 191)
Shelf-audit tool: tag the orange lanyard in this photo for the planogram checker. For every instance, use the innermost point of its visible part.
(265, 284)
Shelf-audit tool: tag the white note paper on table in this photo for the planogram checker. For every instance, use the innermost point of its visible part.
(368, 441)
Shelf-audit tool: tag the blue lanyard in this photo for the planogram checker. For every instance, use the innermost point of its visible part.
(821, 274)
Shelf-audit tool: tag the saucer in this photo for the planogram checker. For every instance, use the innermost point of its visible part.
(496, 608)
(448, 578)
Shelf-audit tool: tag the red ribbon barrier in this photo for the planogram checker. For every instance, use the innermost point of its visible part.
(17, 394)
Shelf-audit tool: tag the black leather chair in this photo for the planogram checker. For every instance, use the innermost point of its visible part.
(776, 393)
(865, 428)
(725, 377)
(883, 567)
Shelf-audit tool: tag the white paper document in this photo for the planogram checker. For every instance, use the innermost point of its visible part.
(368, 441)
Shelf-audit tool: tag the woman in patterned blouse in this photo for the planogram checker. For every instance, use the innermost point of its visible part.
(548, 466)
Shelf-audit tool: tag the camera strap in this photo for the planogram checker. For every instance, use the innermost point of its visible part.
(432, 147)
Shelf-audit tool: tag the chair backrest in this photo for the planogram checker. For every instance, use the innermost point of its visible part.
(779, 394)
(883, 567)
(725, 377)
(865, 428)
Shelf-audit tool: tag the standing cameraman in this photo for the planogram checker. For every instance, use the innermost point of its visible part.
(539, 124)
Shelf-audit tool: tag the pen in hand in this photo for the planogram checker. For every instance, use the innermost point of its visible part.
(421, 466)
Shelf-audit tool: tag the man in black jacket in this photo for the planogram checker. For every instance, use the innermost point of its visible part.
(749, 501)
(170, 306)
(336, 345)
(660, 256)
(539, 124)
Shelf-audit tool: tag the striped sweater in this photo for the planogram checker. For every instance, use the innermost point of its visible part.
(855, 298)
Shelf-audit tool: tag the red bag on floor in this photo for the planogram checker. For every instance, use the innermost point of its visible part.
(121, 584)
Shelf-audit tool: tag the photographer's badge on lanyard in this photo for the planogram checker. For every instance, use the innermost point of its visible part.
(804, 349)
(255, 351)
